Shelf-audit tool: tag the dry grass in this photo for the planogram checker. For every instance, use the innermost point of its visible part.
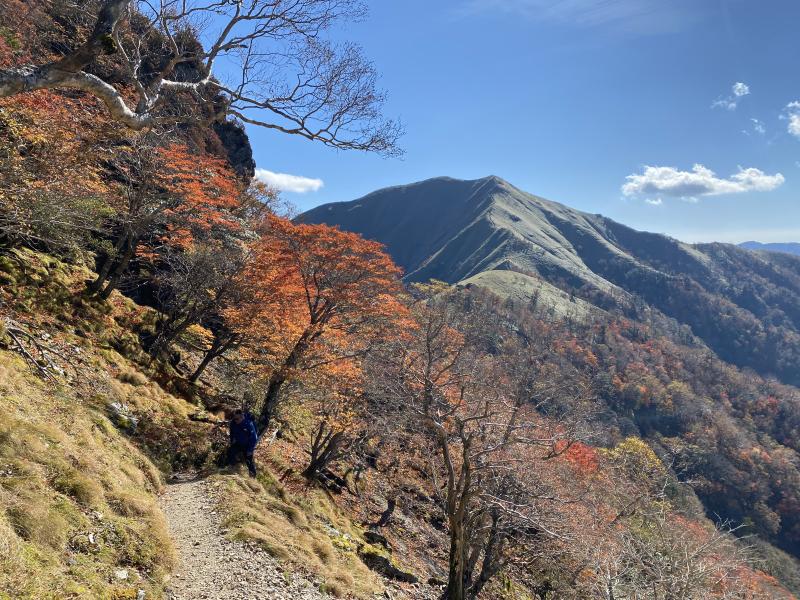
(133, 377)
(307, 531)
(77, 500)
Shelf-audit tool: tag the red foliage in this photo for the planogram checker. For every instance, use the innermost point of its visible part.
(209, 194)
(582, 457)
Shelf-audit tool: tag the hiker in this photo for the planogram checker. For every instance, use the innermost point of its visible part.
(243, 440)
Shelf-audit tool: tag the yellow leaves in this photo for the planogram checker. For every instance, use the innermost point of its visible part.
(636, 459)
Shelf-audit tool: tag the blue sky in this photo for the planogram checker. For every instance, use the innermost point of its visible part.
(670, 116)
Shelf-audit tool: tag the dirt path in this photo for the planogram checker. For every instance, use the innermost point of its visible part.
(212, 567)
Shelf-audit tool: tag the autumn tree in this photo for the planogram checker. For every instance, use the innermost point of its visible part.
(315, 296)
(486, 432)
(642, 544)
(169, 197)
(336, 416)
(280, 70)
(206, 246)
(191, 286)
(52, 192)
(140, 208)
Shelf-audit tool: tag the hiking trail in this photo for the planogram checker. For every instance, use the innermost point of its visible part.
(212, 567)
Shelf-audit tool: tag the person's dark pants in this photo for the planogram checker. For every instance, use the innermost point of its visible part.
(235, 453)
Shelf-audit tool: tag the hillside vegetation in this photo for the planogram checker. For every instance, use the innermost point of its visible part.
(788, 248)
(415, 439)
(78, 500)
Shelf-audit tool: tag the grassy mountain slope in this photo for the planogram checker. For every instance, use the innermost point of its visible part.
(744, 305)
(78, 511)
(531, 290)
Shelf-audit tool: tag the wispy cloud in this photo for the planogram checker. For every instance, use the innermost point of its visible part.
(792, 114)
(758, 128)
(738, 91)
(700, 181)
(289, 183)
(635, 16)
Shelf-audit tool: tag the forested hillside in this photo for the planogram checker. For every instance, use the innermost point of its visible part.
(721, 303)
(415, 439)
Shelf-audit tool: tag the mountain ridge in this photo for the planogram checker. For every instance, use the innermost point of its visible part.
(743, 305)
(786, 247)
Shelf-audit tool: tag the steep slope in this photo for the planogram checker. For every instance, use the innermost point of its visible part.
(451, 230)
(744, 305)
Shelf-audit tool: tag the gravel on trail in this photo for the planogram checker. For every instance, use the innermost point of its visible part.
(212, 567)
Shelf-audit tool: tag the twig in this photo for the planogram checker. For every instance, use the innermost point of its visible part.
(12, 332)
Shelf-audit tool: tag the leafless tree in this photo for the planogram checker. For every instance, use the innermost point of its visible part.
(193, 285)
(265, 62)
(487, 435)
(661, 556)
(645, 548)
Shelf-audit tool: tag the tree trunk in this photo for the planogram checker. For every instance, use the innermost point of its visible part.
(324, 449)
(279, 378)
(102, 274)
(104, 271)
(120, 267)
(207, 358)
(490, 566)
(270, 402)
(67, 72)
(169, 331)
(219, 346)
(455, 580)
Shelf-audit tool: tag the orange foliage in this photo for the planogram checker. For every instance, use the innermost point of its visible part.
(314, 295)
(208, 189)
(582, 457)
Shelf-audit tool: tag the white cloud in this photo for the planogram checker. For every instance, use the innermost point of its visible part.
(289, 183)
(738, 91)
(792, 114)
(655, 202)
(726, 103)
(700, 181)
(758, 126)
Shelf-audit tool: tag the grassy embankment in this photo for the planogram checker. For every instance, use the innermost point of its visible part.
(79, 516)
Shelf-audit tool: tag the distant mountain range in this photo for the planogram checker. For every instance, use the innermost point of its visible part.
(744, 305)
(788, 247)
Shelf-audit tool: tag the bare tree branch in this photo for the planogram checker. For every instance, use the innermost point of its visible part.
(276, 70)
